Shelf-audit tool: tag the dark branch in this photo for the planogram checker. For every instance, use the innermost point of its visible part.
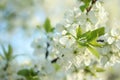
(89, 8)
(55, 60)
(100, 40)
(47, 52)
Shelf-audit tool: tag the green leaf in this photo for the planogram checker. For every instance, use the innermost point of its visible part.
(88, 70)
(78, 32)
(93, 51)
(86, 34)
(100, 70)
(32, 72)
(100, 31)
(86, 1)
(95, 33)
(82, 8)
(89, 40)
(7, 53)
(83, 43)
(56, 66)
(10, 52)
(96, 44)
(24, 72)
(82, 40)
(90, 37)
(29, 74)
(47, 26)
(86, 5)
(35, 78)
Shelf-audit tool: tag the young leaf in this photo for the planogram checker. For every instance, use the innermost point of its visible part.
(82, 40)
(10, 52)
(32, 72)
(24, 72)
(47, 26)
(88, 70)
(93, 51)
(100, 31)
(95, 33)
(90, 37)
(86, 34)
(82, 8)
(96, 44)
(100, 70)
(86, 5)
(56, 66)
(7, 53)
(78, 32)
(29, 74)
(86, 1)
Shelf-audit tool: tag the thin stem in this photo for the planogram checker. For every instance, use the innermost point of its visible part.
(89, 8)
(47, 52)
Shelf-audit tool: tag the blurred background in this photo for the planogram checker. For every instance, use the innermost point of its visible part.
(19, 18)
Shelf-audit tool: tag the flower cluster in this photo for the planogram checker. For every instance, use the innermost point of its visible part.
(81, 47)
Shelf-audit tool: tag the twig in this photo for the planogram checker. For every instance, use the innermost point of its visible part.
(89, 8)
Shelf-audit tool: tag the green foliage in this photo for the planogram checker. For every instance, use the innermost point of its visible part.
(83, 7)
(24, 72)
(89, 71)
(93, 70)
(86, 4)
(93, 51)
(78, 31)
(47, 26)
(89, 39)
(29, 74)
(90, 36)
(96, 44)
(95, 33)
(98, 69)
(86, 1)
(56, 66)
(7, 54)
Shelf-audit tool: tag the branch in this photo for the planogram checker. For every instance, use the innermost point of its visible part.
(89, 8)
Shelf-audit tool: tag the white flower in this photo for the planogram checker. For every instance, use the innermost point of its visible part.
(75, 76)
(87, 57)
(46, 67)
(93, 17)
(39, 46)
(110, 40)
(115, 32)
(101, 14)
(118, 44)
(67, 41)
(115, 37)
(72, 16)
